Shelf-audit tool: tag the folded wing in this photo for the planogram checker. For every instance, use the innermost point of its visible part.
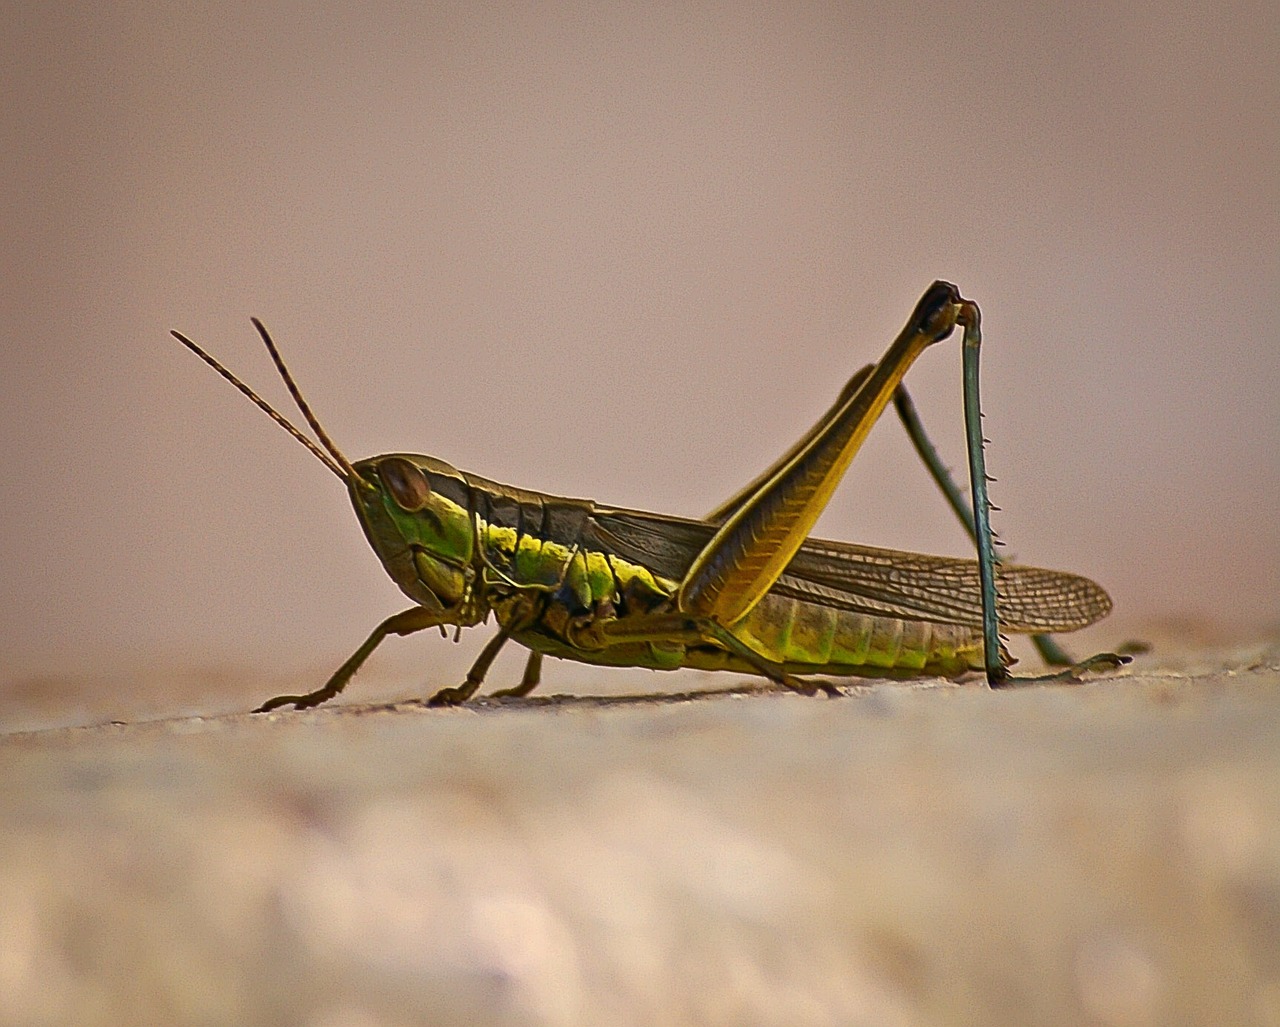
(865, 579)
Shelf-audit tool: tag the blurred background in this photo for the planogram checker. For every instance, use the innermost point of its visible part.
(628, 253)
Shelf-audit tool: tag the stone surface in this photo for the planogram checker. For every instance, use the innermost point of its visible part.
(925, 854)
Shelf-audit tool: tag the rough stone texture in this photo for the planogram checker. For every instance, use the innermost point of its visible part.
(928, 854)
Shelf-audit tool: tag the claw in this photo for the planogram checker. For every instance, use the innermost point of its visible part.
(452, 696)
(298, 702)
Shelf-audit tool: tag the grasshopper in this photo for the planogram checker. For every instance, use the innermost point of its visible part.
(743, 589)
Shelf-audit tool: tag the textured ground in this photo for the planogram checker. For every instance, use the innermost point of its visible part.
(927, 854)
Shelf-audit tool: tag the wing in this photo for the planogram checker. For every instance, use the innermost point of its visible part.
(864, 579)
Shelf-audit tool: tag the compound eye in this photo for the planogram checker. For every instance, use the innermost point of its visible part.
(406, 483)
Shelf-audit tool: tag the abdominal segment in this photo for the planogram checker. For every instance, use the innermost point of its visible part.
(797, 633)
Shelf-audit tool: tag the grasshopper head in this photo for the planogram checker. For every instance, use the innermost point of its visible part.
(409, 508)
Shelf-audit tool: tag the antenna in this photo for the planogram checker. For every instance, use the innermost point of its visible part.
(333, 459)
(296, 393)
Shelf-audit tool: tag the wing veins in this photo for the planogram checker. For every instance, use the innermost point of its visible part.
(870, 580)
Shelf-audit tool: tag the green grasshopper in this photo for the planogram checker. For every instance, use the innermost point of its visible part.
(744, 589)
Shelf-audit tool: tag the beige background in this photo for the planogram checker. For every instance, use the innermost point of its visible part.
(628, 254)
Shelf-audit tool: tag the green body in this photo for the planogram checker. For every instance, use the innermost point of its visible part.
(745, 589)
(478, 546)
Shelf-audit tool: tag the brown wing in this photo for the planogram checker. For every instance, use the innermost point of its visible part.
(864, 579)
